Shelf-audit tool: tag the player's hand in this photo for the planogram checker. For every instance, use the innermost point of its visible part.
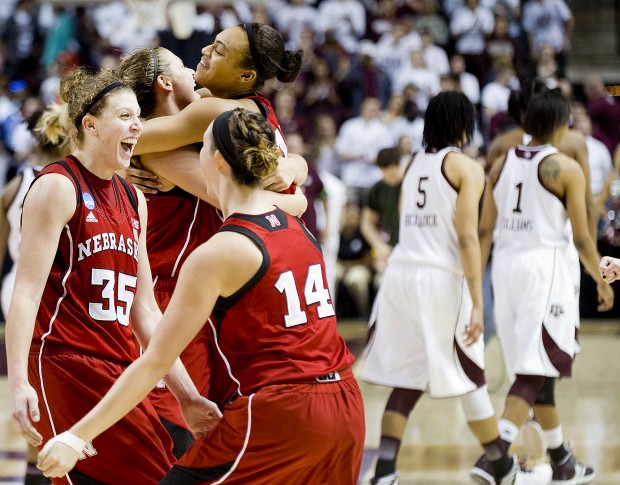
(474, 330)
(25, 411)
(201, 416)
(282, 178)
(60, 454)
(145, 181)
(609, 268)
(605, 297)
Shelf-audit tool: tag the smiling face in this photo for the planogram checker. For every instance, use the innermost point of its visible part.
(115, 130)
(220, 68)
(182, 79)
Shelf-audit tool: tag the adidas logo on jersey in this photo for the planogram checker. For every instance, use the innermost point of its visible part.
(91, 218)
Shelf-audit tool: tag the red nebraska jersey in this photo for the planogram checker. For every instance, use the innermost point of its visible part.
(281, 326)
(178, 223)
(87, 299)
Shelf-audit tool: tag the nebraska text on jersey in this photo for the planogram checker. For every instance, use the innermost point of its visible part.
(108, 241)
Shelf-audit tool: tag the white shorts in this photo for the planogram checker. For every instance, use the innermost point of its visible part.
(534, 301)
(421, 314)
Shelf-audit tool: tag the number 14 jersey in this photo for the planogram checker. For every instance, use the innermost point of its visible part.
(87, 299)
(281, 326)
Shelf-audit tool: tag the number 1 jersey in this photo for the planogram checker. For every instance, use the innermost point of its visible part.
(281, 326)
(87, 299)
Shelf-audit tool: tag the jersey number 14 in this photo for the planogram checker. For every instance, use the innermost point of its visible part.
(314, 293)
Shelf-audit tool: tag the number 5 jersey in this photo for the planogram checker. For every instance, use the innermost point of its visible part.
(87, 299)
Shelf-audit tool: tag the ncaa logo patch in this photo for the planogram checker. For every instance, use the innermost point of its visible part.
(89, 202)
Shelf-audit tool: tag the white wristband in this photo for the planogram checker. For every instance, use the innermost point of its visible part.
(72, 441)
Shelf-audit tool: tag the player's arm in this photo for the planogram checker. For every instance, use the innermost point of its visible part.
(369, 227)
(573, 180)
(47, 208)
(292, 169)
(579, 148)
(468, 177)
(489, 213)
(145, 315)
(295, 204)
(230, 260)
(166, 133)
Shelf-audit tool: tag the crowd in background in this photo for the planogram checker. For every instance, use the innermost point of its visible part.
(370, 69)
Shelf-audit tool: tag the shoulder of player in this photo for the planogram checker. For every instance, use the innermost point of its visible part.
(560, 165)
(226, 249)
(53, 195)
(462, 163)
(504, 141)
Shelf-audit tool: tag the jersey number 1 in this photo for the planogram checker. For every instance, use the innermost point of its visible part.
(314, 292)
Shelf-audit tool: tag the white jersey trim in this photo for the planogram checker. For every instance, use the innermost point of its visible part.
(189, 235)
(219, 351)
(245, 444)
(49, 331)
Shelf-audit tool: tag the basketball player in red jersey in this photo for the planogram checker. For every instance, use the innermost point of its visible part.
(298, 416)
(80, 294)
(232, 70)
(179, 222)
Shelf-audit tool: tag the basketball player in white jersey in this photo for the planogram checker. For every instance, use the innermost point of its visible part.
(532, 196)
(428, 327)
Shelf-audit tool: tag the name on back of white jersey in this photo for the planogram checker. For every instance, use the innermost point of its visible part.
(517, 225)
(421, 220)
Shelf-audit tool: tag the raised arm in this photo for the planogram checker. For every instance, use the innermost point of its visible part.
(166, 133)
(47, 208)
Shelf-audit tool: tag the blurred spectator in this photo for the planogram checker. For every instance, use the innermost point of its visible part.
(502, 48)
(599, 157)
(382, 21)
(321, 95)
(392, 50)
(604, 112)
(435, 57)
(380, 220)
(549, 22)
(60, 37)
(22, 39)
(354, 266)
(365, 79)
(418, 73)
(494, 96)
(292, 17)
(323, 149)
(312, 188)
(469, 27)
(469, 83)
(357, 144)
(345, 19)
(414, 126)
(393, 115)
(546, 68)
(285, 104)
(430, 20)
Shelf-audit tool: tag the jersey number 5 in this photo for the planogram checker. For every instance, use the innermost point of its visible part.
(314, 292)
(109, 311)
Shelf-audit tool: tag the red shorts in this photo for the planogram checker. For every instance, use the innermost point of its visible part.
(135, 451)
(200, 357)
(194, 357)
(291, 433)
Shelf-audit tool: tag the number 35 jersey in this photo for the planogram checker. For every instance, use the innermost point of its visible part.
(281, 326)
(87, 298)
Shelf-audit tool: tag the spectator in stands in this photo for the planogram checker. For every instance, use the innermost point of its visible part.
(380, 223)
(501, 47)
(323, 149)
(604, 111)
(393, 48)
(321, 95)
(421, 76)
(430, 20)
(469, 83)
(469, 27)
(285, 104)
(346, 19)
(292, 18)
(358, 142)
(434, 56)
(549, 22)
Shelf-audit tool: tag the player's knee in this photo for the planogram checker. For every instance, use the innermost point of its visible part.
(402, 401)
(477, 405)
(527, 387)
(546, 396)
